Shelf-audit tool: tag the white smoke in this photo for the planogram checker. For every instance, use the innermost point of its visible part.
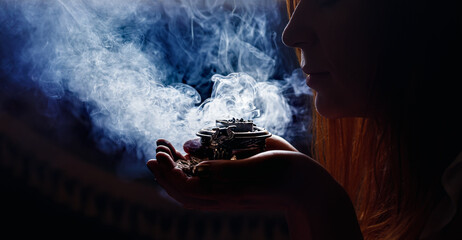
(138, 65)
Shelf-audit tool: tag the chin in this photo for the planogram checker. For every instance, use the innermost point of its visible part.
(326, 110)
(333, 109)
(327, 113)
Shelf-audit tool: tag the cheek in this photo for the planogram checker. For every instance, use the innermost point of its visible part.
(352, 61)
(348, 94)
(350, 56)
(350, 42)
(335, 100)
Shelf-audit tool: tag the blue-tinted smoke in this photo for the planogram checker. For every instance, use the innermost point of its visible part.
(153, 69)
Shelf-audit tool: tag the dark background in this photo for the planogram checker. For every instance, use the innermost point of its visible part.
(55, 182)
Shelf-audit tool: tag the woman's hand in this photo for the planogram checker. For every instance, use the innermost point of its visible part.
(193, 147)
(266, 180)
(273, 180)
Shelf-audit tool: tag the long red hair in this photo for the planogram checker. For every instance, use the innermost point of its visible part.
(379, 162)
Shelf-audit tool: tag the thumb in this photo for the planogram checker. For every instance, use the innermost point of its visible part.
(194, 148)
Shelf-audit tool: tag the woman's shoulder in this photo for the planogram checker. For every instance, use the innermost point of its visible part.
(445, 222)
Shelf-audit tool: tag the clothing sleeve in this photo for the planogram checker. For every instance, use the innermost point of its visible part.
(446, 209)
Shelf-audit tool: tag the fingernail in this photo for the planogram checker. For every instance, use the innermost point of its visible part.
(202, 170)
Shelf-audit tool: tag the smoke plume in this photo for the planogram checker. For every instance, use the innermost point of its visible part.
(154, 69)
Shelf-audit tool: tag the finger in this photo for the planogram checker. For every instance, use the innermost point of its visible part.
(165, 160)
(164, 178)
(176, 155)
(191, 146)
(164, 149)
(194, 148)
(174, 178)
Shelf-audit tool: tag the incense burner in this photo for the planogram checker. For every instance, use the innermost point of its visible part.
(229, 140)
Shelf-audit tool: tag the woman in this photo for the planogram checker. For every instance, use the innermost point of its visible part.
(387, 128)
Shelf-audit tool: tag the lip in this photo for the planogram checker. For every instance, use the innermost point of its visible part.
(312, 70)
(313, 79)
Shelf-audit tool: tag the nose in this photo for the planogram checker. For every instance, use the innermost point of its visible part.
(298, 32)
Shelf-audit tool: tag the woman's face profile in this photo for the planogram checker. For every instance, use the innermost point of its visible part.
(339, 45)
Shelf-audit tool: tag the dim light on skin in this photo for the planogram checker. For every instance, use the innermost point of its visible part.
(341, 46)
(339, 53)
(279, 179)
